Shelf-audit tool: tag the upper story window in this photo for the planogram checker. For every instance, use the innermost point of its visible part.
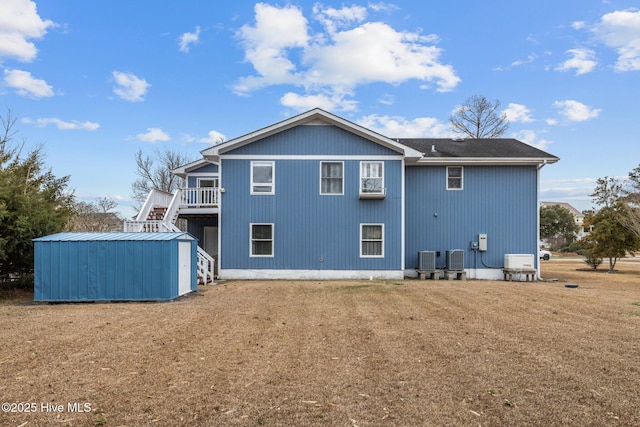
(454, 177)
(262, 178)
(332, 178)
(371, 179)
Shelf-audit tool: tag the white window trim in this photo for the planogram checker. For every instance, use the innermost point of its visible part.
(273, 233)
(273, 178)
(361, 177)
(341, 193)
(461, 178)
(209, 178)
(360, 241)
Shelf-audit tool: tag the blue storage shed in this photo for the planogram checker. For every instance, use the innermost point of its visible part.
(114, 266)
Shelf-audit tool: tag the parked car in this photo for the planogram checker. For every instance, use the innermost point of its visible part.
(544, 254)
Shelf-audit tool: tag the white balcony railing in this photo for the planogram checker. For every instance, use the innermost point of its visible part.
(199, 197)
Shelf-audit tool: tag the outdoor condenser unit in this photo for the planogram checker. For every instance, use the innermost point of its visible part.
(455, 260)
(426, 260)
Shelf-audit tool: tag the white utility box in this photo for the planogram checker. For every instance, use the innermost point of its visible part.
(520, 261)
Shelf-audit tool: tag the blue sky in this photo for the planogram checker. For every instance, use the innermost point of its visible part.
(95, 81)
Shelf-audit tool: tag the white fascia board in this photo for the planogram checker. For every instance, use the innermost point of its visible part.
(182, 171)
(308, 118)
(483, 161)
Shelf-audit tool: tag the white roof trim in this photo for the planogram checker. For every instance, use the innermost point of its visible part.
(484, 161)
(310, 117)
(182, 171)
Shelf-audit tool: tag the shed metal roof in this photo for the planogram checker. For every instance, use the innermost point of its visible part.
(79, 237)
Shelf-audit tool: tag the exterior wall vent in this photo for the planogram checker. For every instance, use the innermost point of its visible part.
(455, 260)
(426, 260)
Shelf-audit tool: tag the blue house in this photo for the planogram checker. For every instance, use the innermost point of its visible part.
(319, 197)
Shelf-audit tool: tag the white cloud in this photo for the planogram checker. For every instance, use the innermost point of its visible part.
(130, 87)
(582, 60)
(518, 113)
(576, 111)
(63, 125)
(19, 23)
(153, 135)
(530, 58)
(621, 30)
(27, 85)
(282, 50)
(401, 127)
(213, 137)
(187, 39)
(531, 137)
(578, 25)
(307, 102)
(338, 18)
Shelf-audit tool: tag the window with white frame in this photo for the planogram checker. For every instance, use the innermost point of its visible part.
(332, 178)
(261, 240)
(372, 240)
(454, 177)
(262, 178)
(371, 177)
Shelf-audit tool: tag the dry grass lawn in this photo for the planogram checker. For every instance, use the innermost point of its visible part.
(403, 353)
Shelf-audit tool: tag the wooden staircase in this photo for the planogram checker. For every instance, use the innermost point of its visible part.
(159, 214)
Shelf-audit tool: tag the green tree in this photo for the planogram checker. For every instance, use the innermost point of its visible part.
(479, 118)
(33, 202)
(557, 223)
(610, 238)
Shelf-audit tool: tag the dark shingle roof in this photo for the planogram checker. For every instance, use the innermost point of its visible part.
(480, 148)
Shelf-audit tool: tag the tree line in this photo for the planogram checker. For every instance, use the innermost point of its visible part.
(613, 229)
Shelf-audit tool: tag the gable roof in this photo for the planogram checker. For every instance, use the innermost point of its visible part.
(417, 151)
(316, 115)
(478, 151)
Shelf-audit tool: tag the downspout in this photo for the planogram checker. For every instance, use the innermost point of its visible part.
(537, 252)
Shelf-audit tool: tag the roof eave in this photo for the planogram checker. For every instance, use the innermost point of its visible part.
(487, 161)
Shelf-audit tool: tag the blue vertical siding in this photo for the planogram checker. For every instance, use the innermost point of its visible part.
(311, 231)
(500, 201)
(313, 140)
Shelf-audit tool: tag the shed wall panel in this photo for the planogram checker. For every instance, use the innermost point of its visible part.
(94, 270)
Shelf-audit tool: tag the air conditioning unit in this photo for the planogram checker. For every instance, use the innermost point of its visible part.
(455, 260)
(426, 260)
(519, 261)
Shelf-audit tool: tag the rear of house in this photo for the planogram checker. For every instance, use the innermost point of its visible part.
(316, 196)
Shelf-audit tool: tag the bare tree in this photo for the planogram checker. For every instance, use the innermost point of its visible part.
(95, 216)
(478, 118)
(631, 199)
(155, 172)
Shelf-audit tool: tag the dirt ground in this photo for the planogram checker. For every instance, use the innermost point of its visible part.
(309, 353)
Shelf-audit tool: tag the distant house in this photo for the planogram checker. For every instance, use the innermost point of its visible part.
(317, 196)
(578, 216)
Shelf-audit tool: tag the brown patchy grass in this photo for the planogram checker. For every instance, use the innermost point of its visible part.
(308, 353)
